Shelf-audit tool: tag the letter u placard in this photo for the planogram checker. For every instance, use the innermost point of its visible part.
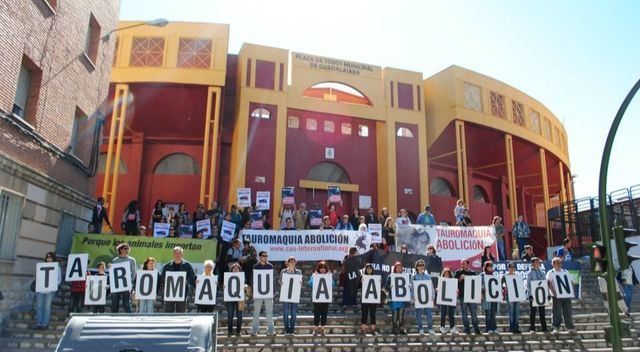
(263, 284)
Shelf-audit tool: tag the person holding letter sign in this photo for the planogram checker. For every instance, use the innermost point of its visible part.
(145, 306)
(535, 273)
(48, 278)
(123, 257)
(422, 275)
(233, 307)
(320, 309)
(513, 304)
(447, 311)
(102, 266)
(492, 290)
(290, 309)
(178, 264)
(371, 289)
(561, 289)
(466, 307)
(397, 306)
(208, 273)
(263, 265)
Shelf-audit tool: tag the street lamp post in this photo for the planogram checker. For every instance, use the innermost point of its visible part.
(605, 229)
(158, 22)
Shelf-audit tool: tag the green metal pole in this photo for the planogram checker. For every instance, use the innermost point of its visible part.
(605, 229)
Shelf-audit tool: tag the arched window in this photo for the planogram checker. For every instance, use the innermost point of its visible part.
(328, 172)
(337, 92)
(479, 195)
(404, 132)
(441, 187)
(102, 165)
(177, 164)
(261, 113)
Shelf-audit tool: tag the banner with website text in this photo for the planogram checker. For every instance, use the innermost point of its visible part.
(452, 243)
(102, 248)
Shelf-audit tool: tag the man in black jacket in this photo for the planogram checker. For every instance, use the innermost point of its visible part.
(466, 307)
(99, 215)
(178, 264)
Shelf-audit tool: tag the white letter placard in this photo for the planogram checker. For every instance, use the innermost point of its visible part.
(206, 288)
(175, 286)
(233, 287)
(423, 294)
(400, 287)
(120, 277)
(371, 289)
(290, 288)
(77, 265)
(472, 289)
(96, 292)
(47, 275)
(263, 284)
(492, 288)
(515, 288)
(322, 288)
(563, 285)
(540, 293)
(447, 291)
(146, 284)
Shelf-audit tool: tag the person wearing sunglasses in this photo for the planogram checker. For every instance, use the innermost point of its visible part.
(263, 264)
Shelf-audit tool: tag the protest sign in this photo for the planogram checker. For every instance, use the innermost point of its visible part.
(375, 233)
(447, 291)
(334, 194)
(315, 217)
(120, 277)
(562, 284)
(77, 266)
(539, 293)
(47, 277)
(522, 268)
(263, 200)
(233, 287)
(204, 226)
(175, 286)
(492, 288)
(472, 289)
(322, 291)
(256, 220)
(96, 291)
(371, 289)
(160, 229)
(288, 196)
(400, 287)
(263, 286)
(244, 197)
(423, 294)
(206, 288)
(515, 288)
(228, 230)
(291, 288)
(146, 284)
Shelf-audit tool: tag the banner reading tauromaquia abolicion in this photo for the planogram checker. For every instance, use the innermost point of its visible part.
(452, 243)
(102, 248)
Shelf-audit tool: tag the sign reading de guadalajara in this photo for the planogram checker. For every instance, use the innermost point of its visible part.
(331, 64)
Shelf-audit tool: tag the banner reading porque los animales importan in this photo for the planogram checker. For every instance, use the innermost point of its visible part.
(102, 248)
(452, 243)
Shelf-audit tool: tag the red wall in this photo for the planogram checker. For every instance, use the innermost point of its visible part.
(405, 96)
(261, 146)
(483, 213)
(443, 206)
(265, 74)
(408, 166)
(356, 154)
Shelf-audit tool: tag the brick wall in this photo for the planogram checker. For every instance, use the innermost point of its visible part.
(54, 40)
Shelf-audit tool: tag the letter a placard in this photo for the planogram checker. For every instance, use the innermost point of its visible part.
(77, 267)
(447, 291)
(371, 289)
(233, 287)
(322, 288)
(291, 287)
(263, 284)
(206, 288)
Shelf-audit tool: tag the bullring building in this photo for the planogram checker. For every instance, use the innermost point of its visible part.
(191, 123)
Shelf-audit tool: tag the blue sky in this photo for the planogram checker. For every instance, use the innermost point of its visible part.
(579, 58)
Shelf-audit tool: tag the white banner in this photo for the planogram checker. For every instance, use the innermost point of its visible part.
(562, 284)
(175, 286)
(233, 287)
(472, 289)
(47, 275)
(322, 288)
(96, 291)
(290, 288)
(160, 229)
(228, 230)
(120, 277)
(371, 289)
(400, 287)
(146, 284)
(307, 245)
(263, 285)
(244, 197)
(77, 265)
(375, 232)
(423, 294)
(447, 291)
(263, 200)
(540, 293)
(206, 289)
(205, 226)
(492, 288)
(515, 288)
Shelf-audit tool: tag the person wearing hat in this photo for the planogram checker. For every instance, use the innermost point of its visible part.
(528, 253)
(123, 256)
(426, 217)
(513, 307)
(535, 273)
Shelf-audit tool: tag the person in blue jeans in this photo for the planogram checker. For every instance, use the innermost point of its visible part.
(628, 281)
(514, 307)
(290, 309)
(397, 307)
(490, 308)
(521, 233)
(465, 307)
(45, 299)
(422, 275)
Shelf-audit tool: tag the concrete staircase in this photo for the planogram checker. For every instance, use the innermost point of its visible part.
(590, 317)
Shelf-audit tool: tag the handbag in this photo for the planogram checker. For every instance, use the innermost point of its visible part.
(242, 305)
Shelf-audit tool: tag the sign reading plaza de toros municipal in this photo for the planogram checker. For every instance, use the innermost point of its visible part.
(331, 64)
